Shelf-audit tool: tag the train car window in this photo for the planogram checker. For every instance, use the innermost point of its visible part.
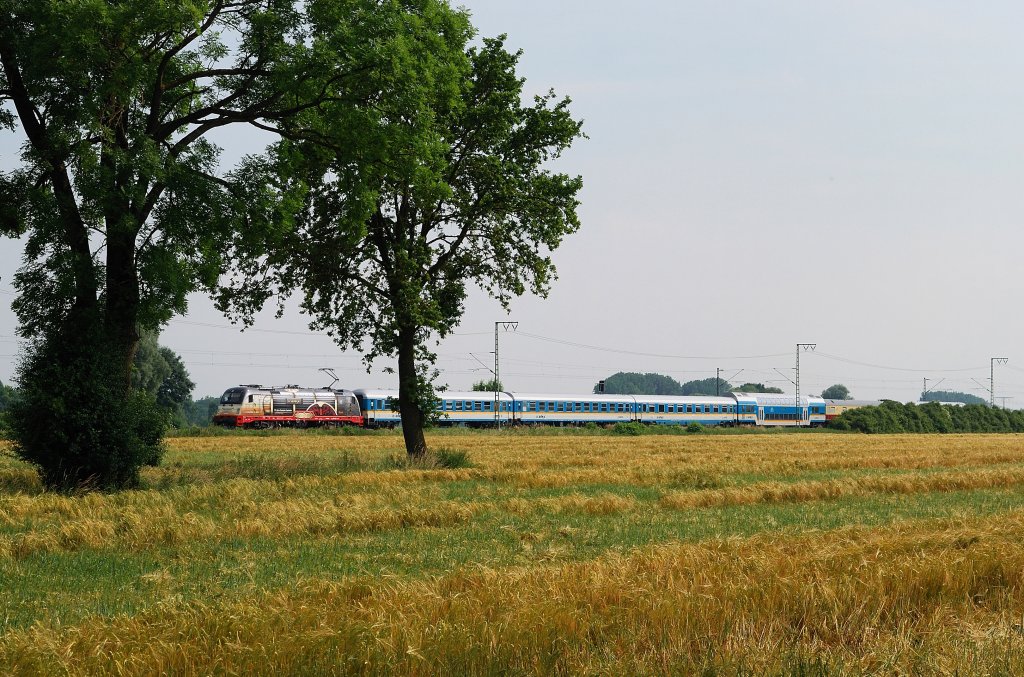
(661, 408)
(579, 406)
(561, 406)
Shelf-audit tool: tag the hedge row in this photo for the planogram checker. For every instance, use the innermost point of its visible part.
(893, 417)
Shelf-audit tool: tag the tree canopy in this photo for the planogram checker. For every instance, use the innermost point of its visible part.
(635, 383)
(706, 386)
(120, 190)
(836, 392)
(159, 372)
(488, 386)
(757, 388)
(453, 187)
(951, 396)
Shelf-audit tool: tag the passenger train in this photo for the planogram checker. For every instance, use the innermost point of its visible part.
(255, 406)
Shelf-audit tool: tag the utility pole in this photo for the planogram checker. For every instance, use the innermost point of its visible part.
(924, 392)
(992, 378)
(718, 380)
(805, 346)
(506, 326)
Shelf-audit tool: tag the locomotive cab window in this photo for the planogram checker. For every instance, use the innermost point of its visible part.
(233, 396)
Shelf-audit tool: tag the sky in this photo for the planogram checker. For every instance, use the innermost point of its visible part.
(758, 174)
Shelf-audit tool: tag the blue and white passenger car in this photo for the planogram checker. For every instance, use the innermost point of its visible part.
(474, 408)
(667, 410)
(573, 409)
(783, 410)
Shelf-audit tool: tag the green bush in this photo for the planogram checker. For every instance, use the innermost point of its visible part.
(694, 427)
(630, 428)
(75, 422)
(893, 417)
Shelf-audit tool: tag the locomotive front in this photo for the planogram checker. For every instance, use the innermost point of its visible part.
(237, 405)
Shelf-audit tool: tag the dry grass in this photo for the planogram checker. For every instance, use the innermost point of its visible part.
(910, 599)
(779, 492)
(913, 597)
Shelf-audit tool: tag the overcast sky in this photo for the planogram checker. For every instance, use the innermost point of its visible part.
(758, 174)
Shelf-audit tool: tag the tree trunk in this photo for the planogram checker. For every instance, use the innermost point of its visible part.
(408, 394)
(122, 311)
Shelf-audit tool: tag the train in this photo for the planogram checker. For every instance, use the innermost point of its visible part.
(257, 406)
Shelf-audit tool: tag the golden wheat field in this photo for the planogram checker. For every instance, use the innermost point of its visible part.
(526, 554)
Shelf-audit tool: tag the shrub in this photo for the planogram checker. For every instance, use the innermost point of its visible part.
(694, 427)
(631, 428)
(74, 420)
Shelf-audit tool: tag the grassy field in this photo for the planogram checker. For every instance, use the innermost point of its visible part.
(544, 554)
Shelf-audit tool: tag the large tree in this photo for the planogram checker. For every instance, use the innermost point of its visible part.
(160, 372)
(453, 188)
(635, 383)
(836, 392)
(119, 187)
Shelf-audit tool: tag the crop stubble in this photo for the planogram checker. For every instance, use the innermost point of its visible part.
(916, 595)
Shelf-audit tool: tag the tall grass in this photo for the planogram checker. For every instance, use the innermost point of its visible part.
(526, 554)
(911, 599)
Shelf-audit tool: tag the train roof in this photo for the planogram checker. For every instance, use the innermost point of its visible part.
(570, 397)
(483, 395)
(254, 386)
(778, 399)
(657, 399)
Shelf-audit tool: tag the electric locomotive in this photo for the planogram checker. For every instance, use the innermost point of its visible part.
(254, 406)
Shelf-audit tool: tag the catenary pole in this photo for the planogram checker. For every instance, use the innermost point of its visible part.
(506, 326)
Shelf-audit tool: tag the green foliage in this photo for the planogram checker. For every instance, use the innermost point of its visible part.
(120, 191)
(488, 386)
(951, 396)
(200, 412)
(633, 383)
(7, 397)
(73, 422)
(707, 386)
(757, 388)
(628, 428)
(159, 372)
(451, 190)
(893, 417)
(694, 427)
(836, 392)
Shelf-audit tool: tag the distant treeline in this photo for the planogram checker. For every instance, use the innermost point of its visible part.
(951, 396)
(634, 383)
(893, 417)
